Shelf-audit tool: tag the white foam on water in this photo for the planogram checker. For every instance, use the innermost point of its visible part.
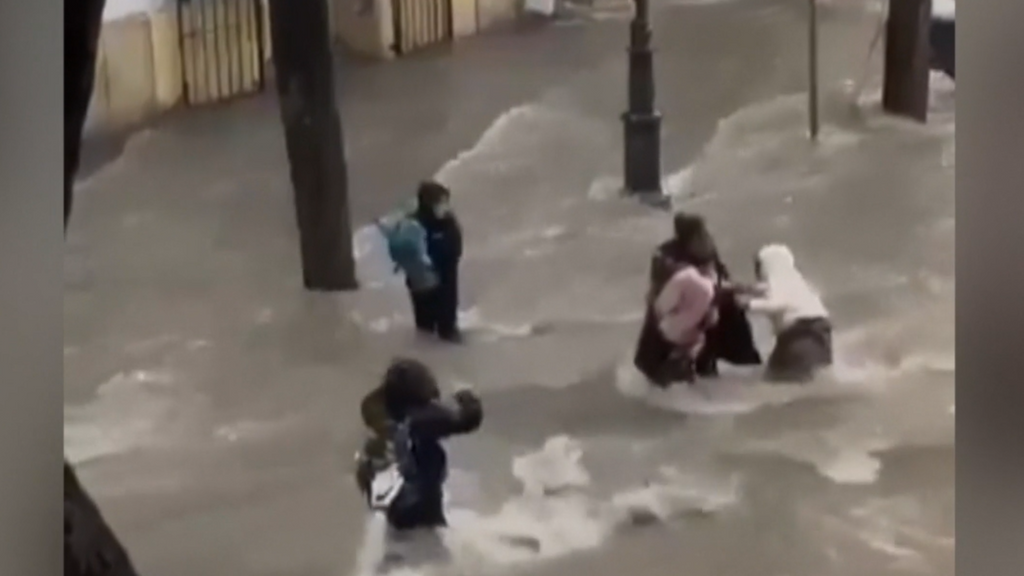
(381, 324)
(847, 453)
(370, 554)
(556, 467)
(131, 410)
(900, 527)
(679, 184)
(740, 390)
(716, 398)
(491, 142)
(555, 515)
(253, 430)
(851, 467)
(605, 188)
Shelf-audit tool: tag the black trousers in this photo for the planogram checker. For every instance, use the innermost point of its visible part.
(426, 511)
(658, 359)
(800, 351)
(436, 311)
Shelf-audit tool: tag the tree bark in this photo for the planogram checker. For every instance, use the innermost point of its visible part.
(312, 127)
(905, 85)
(90, 547)
(83, 20)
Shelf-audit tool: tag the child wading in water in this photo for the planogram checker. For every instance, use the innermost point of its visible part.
(403, 466)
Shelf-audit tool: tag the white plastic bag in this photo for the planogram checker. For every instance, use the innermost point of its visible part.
(385, 488)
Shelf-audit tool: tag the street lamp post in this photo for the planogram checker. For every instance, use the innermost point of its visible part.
(641, 122)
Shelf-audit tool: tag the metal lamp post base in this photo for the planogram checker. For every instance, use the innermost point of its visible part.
(642, 153)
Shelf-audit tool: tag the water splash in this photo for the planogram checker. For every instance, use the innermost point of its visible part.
(491, 143)
(132, 410)
(370, 556)
(555, 515)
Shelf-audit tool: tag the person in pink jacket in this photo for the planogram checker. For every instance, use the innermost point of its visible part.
(685, 308)
(691, 325)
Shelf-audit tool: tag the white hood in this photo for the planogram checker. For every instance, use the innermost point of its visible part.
(776, 260)
(789, 297)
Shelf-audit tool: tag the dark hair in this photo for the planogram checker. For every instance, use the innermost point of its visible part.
(694, 240)
(431, 193)
(408, 383)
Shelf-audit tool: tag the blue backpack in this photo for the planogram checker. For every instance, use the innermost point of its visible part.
(407, 246)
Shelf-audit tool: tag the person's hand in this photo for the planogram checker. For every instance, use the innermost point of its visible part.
(747, 290)
(466, 396)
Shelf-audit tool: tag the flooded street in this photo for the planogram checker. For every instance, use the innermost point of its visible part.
(211, 405)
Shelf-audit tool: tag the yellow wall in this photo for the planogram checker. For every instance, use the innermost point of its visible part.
(125, 89)
(168, 86)
(139, 65)
(464, 18)
(216, 68)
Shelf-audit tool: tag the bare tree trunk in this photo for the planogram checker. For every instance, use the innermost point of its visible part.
(90, 547)
(82, 22)
(905, 87)
(312, 127)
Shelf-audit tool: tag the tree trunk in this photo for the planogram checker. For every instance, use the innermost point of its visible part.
(90, 547)
(312, 127)
(905, 87)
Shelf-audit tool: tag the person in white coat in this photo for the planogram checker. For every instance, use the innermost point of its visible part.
(799, 318)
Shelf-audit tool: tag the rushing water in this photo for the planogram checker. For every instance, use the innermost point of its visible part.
(220, 428)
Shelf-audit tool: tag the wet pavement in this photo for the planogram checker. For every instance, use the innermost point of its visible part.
(211, 404)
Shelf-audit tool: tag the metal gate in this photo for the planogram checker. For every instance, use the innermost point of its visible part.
(421, 23)
(223, 49)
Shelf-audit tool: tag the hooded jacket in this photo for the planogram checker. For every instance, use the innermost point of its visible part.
(684, 306)
(788, 297)
(409, 397)
(443, 232)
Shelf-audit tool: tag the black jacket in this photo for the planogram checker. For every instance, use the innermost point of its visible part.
(731, 338)
(428, 424)
(444, 240)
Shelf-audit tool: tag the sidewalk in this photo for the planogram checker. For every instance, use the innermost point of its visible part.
(210, 400)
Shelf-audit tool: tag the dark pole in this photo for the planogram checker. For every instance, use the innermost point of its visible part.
(91, 548)
(304, 72)
(905, 85)
(641, 122)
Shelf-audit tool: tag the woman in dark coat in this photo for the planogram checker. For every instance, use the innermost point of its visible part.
(436, 311)
(730, 338)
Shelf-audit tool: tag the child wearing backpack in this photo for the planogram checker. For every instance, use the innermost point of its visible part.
(426, 245)
(403, 466)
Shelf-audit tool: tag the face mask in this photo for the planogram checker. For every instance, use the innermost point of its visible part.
(442, 210)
